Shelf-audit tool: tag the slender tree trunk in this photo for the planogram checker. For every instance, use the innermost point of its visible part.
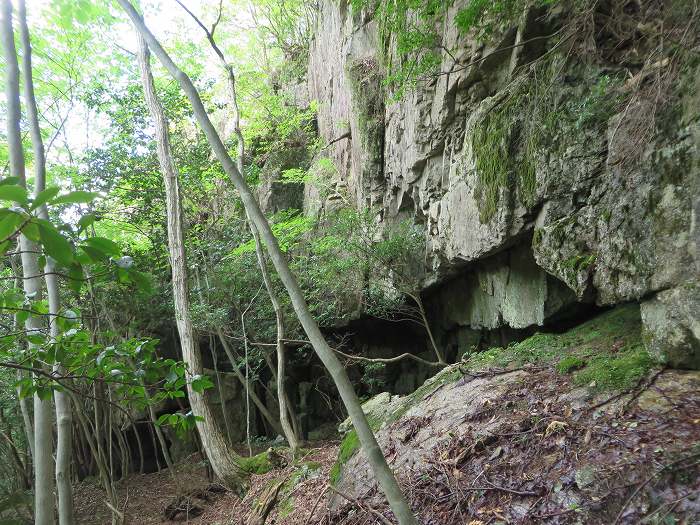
(139, 445)
(64, 418)
(421, 309)
(287, 427)
(159, 433)
(214, 360)
(64, 422)
(380, 467)
(241, 378)
(225, 463)
(43, 444)
(98, 457)
(23, 403)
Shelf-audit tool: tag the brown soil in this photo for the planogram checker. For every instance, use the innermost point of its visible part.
(143, 498)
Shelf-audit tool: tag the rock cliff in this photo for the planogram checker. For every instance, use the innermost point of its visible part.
(555, 164)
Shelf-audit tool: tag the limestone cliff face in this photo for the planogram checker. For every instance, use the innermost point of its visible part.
(541, 184)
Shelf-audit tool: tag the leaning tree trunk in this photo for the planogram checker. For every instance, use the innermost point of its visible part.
(225, 463)
(43, 439)
(245, 383)
(64, 418)
(288, 428)
(377, 461)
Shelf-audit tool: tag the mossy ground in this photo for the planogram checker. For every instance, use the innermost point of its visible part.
(605, 352)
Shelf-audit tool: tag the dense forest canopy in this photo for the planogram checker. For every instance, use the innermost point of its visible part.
(226, 223)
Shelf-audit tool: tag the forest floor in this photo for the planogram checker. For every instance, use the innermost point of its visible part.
(578, 427)
(145, 497)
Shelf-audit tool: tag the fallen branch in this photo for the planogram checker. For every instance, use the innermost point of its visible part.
(359, 505)
(313, 509)
(649, 480)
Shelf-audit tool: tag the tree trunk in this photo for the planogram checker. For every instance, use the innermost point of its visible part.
(241, 378)
(43, 444)
(287, 427)
(23, 404)
(64, 418)
(380, 467)
(224, 462)
(159, 432)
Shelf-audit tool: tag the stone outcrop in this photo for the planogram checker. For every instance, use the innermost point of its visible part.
(533, 430)
(539, 186)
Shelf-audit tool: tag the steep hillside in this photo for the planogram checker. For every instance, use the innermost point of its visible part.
(578, 427)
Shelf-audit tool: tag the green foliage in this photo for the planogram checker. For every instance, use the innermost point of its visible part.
(373, 377)
(408, 31)
(288, 226)
(411, 32)
(484, 17)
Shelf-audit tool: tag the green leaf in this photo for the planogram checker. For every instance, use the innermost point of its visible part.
(36, 339)
(9, 180)
(22, 316)
(44, 393)
(201, 383)
(163, 419)
(76, 197)
(13, 193)
(86, 220)
(55, 244)
(9, 225)
(45, 196)
(104, 245)
(93, 254)
(76, 277)
(31, 231)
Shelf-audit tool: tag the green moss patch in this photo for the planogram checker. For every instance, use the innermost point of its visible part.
(616, 371)
(348, 447)
(570, 363)
(536, 119)
(258, 464)
(606, 352)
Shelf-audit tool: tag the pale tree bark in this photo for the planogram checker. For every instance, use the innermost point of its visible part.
(64, 418)
(43, 439)
(225, 463)
(287, 427)
(383, 474)
(23, 404)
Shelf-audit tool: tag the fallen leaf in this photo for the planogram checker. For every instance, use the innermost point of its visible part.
(553, 427)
